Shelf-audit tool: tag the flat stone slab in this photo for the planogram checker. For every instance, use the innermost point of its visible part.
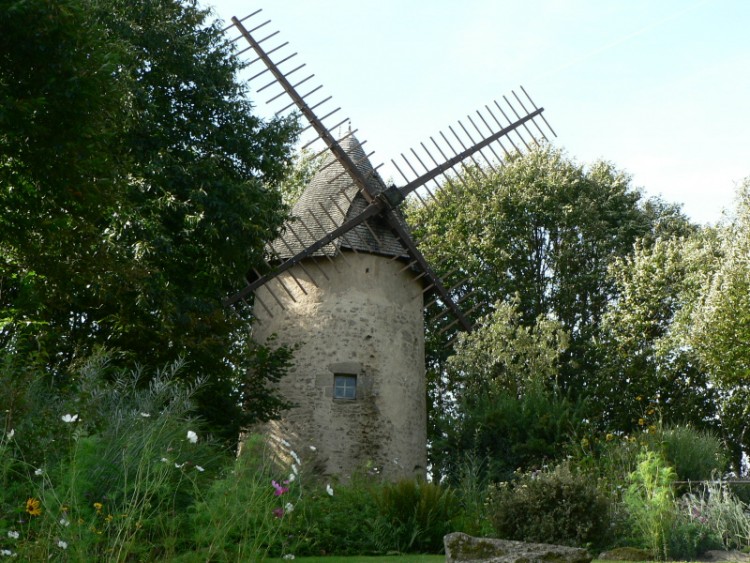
(464, 548)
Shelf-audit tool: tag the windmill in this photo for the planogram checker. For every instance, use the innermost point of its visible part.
(346, 281)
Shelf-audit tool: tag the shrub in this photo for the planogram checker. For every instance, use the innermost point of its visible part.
(557, 506)
(721, 512)
(695, 455)
(650, 503)
(414, 515)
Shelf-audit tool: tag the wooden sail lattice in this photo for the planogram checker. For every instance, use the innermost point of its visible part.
(494, 133)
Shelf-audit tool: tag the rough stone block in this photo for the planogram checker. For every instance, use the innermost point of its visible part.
(467, 549)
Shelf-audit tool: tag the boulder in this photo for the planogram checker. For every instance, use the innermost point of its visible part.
(467, 549)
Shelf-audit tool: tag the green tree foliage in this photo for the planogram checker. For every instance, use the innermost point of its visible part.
(508, 410)
(644, 362)
(717, 328)
(541, 232)
(135, 192)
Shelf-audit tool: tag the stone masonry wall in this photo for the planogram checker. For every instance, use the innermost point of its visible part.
(366, 320)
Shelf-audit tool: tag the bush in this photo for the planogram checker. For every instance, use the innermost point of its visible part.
(558, 506)
(695, 455)
(718, 510)
(414, 515)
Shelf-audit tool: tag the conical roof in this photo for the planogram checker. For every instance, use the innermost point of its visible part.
(332, 198)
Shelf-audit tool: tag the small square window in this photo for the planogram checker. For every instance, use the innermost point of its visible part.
(344, 386)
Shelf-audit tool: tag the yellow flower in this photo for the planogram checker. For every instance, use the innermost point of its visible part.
(641, 422)
(98, 506)
(652, 429)
(639, 398)
(610, 437)
(108, 518)
(584, 442)
(33, 506)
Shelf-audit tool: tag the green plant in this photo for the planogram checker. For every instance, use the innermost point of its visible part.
(414, 515)
(716, 508)
(694, 454)
(650, 503)
(557, 506)
(240, 517)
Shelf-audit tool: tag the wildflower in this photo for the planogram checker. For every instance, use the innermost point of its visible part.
(69, 417)
(38, 471)
(639, 398)
(641, 422)
(192, 437)
(279, 490)
(329, 489)
(145, 415)
(62, 544)
(13, 535)
(295, 469)
(288, 557)
(278, 512)
(64, 522)
(292, 477)
(6, 553)
(295, 456)
(180, 465)
(108, 518)
(610, 437)
(199, 468)
(33, 506)
(584, 442)
(98, 506)
(289, 507)
(313, 449)
(164, 460)
(11, 433)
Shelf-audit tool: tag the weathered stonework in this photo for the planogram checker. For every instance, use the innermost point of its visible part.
(363, 318)
(467, 549)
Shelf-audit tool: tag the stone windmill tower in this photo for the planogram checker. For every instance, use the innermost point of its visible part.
(346, 281)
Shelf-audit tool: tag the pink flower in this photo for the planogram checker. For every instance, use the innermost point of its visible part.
(279, 489)
(278, 512)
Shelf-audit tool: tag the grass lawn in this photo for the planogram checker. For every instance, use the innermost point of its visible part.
(368, 559)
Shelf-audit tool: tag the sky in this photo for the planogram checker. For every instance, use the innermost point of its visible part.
(660, 88)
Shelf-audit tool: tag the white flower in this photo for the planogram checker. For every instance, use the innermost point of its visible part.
(199, 468)
(11, 433)
(180, 465)
(288, 557)
(145, 415)
(313, 449)
(192, 437)
(64, 522)
(289, 507)
(329, 489)
(13, 535)
(62, 544)
(295, 456)
(164, 460)
(295, 471)
(39, 471)
(6, 553)
(291, 477)
(69, 418)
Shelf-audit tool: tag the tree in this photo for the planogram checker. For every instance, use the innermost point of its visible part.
(509, 412)
(645, 364)
(541, 232)
(717, 327)
(156, 208)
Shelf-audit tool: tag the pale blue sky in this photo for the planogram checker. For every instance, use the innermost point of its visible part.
(660, 88)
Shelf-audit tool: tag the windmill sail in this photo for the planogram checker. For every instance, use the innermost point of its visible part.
(352, 208)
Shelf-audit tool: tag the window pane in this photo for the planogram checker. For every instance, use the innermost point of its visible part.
(344, 386)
